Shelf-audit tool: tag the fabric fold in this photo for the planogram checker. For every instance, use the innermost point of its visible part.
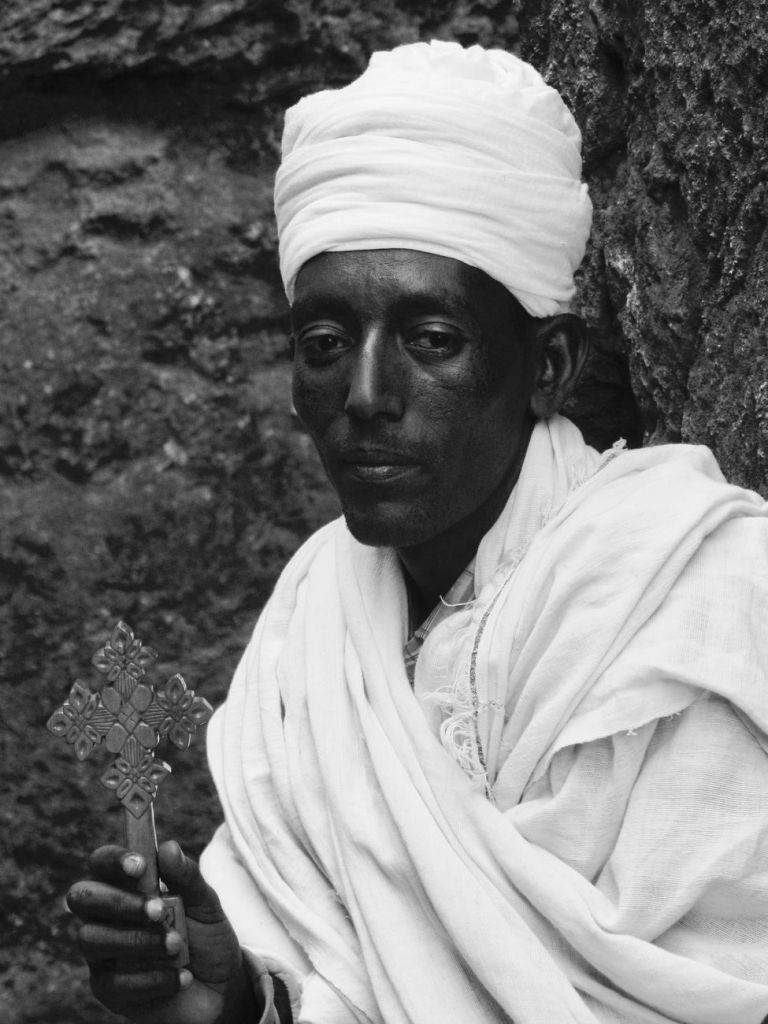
(463, 153)
(402, 888)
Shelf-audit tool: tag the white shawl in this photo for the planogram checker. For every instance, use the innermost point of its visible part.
(564, 821)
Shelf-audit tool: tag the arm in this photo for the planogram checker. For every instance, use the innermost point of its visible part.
(129, 954)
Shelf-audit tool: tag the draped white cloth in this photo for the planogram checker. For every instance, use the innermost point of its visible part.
(465, 153)
(566, 820)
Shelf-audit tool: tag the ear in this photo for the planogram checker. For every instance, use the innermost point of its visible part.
(562, 345)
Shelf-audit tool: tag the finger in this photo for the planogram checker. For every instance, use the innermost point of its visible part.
(117, 986)
(116, 864)
(105, 942)
(183, 877)
(97, 901)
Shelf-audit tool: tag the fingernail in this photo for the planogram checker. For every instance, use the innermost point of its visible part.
(173, 943)
(133, 864)
(185, 978)
(155, 909)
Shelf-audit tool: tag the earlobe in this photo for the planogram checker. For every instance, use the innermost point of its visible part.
(562, 346)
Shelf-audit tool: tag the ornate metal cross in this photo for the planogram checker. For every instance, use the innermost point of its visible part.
(131, 717)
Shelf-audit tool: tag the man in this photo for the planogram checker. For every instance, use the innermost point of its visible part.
(497, 748)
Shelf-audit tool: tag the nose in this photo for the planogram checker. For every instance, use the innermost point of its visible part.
(375, 384)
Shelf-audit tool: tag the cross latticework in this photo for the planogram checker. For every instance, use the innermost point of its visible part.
(130, 717)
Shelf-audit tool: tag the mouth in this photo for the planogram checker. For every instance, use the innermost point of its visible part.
(372, 465)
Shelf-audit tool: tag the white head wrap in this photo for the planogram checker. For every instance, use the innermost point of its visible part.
(460, 152)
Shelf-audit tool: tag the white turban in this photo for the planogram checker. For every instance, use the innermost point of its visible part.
(459, 152)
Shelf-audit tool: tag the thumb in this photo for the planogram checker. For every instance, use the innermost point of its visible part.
(183, 877)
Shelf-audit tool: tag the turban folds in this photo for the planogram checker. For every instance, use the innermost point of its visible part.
(465, 153)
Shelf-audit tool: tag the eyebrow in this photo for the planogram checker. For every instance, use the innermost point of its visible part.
(445, 302)
(408, 303)
(310, 305)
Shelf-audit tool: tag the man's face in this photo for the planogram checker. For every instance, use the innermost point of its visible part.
(413, 382)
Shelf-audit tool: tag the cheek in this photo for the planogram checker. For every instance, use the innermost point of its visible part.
(487, 439)
(314, 401)
(474, 417)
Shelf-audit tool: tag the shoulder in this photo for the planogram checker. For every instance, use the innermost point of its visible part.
(312, 549)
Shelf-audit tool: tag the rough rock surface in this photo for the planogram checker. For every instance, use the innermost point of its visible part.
(672, 99)
(151, 466)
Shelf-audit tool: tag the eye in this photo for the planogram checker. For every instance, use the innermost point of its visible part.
(321, 344)
(435, 339)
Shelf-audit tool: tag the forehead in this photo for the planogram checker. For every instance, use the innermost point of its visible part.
(382, 278)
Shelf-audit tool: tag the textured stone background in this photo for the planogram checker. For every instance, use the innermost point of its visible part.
(151, 467)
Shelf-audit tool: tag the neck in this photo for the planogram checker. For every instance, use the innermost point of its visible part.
(433, 566)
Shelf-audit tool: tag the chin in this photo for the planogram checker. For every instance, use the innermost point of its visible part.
(375, 535)
(381, 532)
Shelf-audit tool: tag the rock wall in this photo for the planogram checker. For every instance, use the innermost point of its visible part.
(151, 466)
(672, 99)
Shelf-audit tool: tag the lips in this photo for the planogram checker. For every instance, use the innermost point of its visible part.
(376, 464)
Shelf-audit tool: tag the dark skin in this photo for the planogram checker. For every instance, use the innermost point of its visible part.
(419, 380)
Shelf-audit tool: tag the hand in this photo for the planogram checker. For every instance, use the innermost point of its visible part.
(129, 954)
